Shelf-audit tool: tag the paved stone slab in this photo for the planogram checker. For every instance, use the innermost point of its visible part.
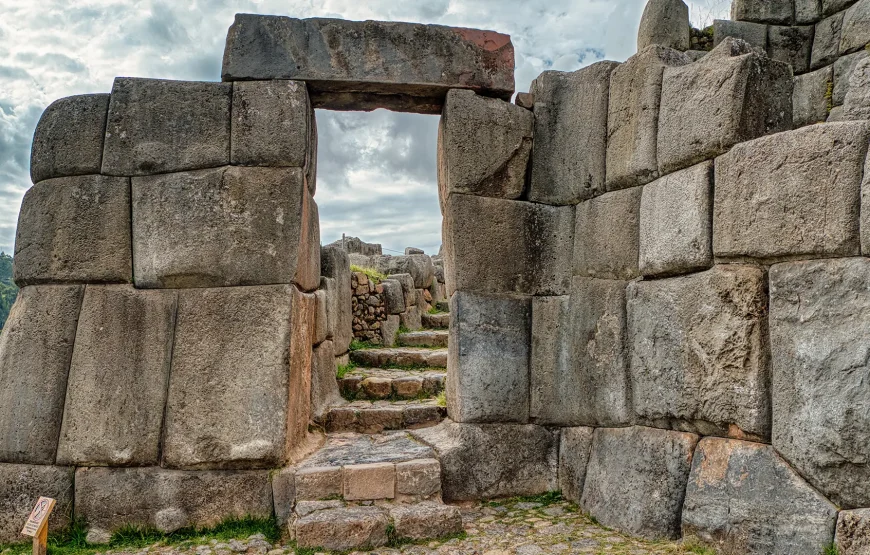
(401, 357)
(791, 45)
(753, 33)
(607, 236)
(569, 154)
(369, 482)
(69, 137)
(349, 448)
(481, 461)
(363, 65)
(425, 338)
(335, 264)
(826, 41)
(574, 451)
(819, 321)
(157, 126)
(419, 479)
(436, 321)
(343, 529)
(857, 103)
(811, 91)
(116, 391)
(35, 351)
(636, 479)
(764, 11)
(793, 194)
(744, 498)
(853, 532)
(843, 69)
(426, 520)
(74, 229)
(665, 23)
(313, 483)
(699, 359)
(484, 145)
(368, 417)
(856, 27)
(21, 485)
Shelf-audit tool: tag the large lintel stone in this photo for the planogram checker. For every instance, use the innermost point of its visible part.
(699, 359)
(570, 150)
(733, 94)
(764, 11)
(21, 485)
(364, 65)
(35, 351)
(69, 137)
(743, 498)
(156, 126)
(607, 236)
(793, 194)
(116, 389)
(856, 27)
(74, 229)
(819, 325)
(636, 479)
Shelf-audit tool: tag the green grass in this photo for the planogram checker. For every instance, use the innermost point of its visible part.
(436, 310)
(357, 345)
(344, 369)
(548, 498)
(829, 96)
(695, 546)
(370, 273)
(830, 550)
(442, 399)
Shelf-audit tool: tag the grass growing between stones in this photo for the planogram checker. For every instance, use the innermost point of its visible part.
(370, 273)
(344, 369)
(357, 345)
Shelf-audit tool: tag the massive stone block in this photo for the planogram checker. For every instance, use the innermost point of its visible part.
(574, 450)
(636, 479)
(790, 195)
(223, 227)
(488, 364)
(324, 387)
(676, 231)
(418, 266)
(699, 359)
(743, 498)
(607, 236)
(856, 27)
(810, 102)
(156, 126)
(807, 11)
(665, 23)
(35, 350)
(168, 500)
(633, 114)
(569, 154)
(116, 389)
(832, 6)
(764, 11)
(363, 65)
(74, 229)
(826, 41)
(843, 69)
(753, 33)
(482, 461)
(335, 264)
(857, 103)
(235, 392)
(819, 324)
(791, 45)
(484, 145)
(21, 485)
(733, 94)
(505, 246)
(69, 137)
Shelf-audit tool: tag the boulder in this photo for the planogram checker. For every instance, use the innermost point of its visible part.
(857, 103)
(791, 45)
(826, 41)
(407, 281)
(743, 498)
(21, 485)
(843, 69)
(343, 529)
(116, 391)
(35, 350)
(607, 236)
(732, 95)
(74, 229)
(676, 228)
(569, 154)
(426, 520)
(793, 194)
(753, 33)
(485, 461)
(764, 11)
(324, 387)
(665, 23)
(856, 27)
(488, 369)
(484, 145)
(380, 62)
(394, 296)
(636, 480)
(335, 264)
(853, 532)
(811, 91)
(418, 266)
(819, 322)
(69, 137)
(158, 126)
(574, 450)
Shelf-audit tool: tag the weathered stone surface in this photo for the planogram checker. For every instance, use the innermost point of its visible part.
(832, 6)
(426, 520)
(676, 234)
(753, 33)
(425, 338)
(807, 11)
(111, 498)
(791, 45)
(245, 412)
(343, 529)
(731, 95)
(764, 11)
(69, 137)
(156, 126)
(74, 229)
(835, 115)
(481, 461)
(335, 264)
(400, 356)
(420, 478)
(552, 383)
(35, 351)
(636, 479)
(381, 63)
(394, 296)
(699, 360)
(810, 100)
(321, 316)
(418, 266)
(826, 41)
(743, 498)
(843, 69)
(318, 482)
(569, 154)
(857, 103)
(407, 281)
(116, 389)
(856, 27)
(819, 322)
(224, 227)
(504, 246)
(574, 451)
(369, 482)
(412, 318)
(484, 146)
(853, 532)
(488, 372)
(607, 236)
(793, 194)
(21, 485)
(633, 113)
(284, 494)
(436, 321)
(324, 388)
(664, 23)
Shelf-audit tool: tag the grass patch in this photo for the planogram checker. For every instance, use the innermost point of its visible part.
(357, 345)
(344, 369)
(829, 96)
(694, 545)
(374, 275)
(436, 310)
(441, 400)
(831, 550)
(544, 499)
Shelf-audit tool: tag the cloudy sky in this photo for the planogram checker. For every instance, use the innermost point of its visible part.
(376, 175)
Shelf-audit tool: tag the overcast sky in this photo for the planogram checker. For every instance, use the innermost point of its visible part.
(376, 175)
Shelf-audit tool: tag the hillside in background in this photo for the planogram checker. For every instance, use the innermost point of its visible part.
(8, 290)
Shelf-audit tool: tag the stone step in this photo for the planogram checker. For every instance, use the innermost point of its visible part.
(368, 417)
(377, 384)
(436, 321)
(400, 357)
(443, 306)
(425, 338)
